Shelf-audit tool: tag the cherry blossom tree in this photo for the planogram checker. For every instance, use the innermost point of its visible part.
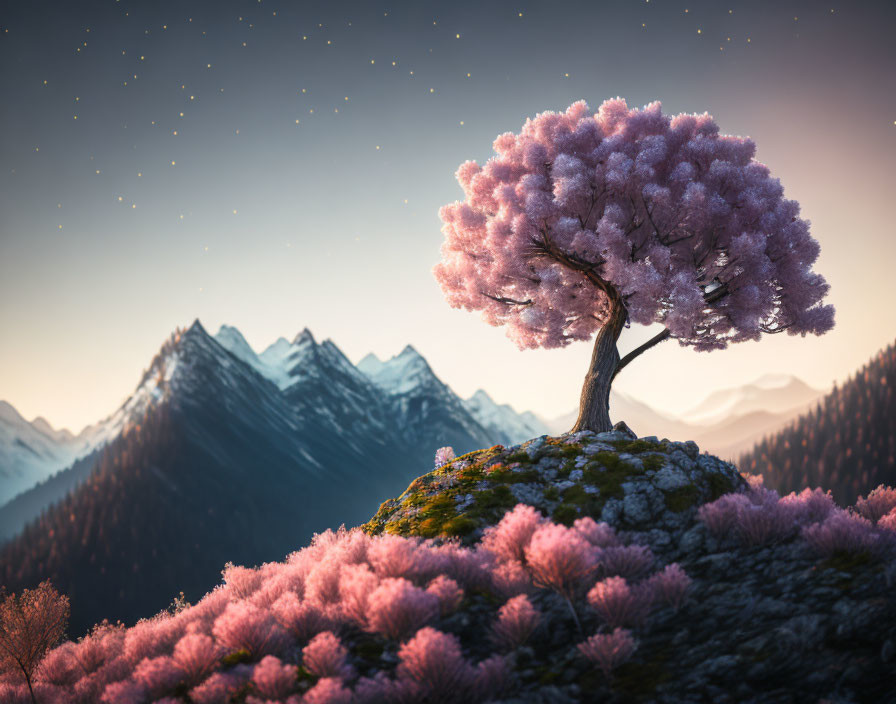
(584, 223)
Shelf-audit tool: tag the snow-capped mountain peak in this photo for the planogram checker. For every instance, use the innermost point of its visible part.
(304, 338)
(400, 374)
(371, 365)
(503, 419)
(232, 339)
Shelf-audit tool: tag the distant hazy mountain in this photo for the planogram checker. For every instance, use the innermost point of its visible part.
(773, 394)
(224, 454)
(726, 423)
(30, 452)
(503, 421)
(640, 417)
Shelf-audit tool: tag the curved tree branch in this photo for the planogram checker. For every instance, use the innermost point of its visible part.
(653, 341)
(508, 301)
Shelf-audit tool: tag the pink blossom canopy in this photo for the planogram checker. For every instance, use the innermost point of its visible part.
(677, 223)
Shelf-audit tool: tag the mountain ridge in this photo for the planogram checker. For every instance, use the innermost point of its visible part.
(209, 451)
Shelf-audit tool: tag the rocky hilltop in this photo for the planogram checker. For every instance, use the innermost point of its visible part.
(638, 484)
(768, 618)
(581, 568)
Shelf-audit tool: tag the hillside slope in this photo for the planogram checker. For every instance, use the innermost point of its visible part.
(697, 587)
(846, 444)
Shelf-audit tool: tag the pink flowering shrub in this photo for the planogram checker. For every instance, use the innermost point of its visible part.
(471, 569)
(325, 656)
(301, 619)
(432, 668)
(197, 655)
(356, 583)
(447, 591)
(600, 535)
(720, 515)
(761, 523)
(888, 522)
(755, 517)
(759, 516)
(244, 627)
(247, 637)
(559, 558)
(434, 662)
(517, 619)
(511, 578)
(841, 532)
(670, 585)
(397, 608)
(219, 687)
(620, 604)
(629, 561)
(510, 538)
(810, 505)
(408, 558)
(609, 650)
(158, 676)
(328, 690)
(273, 679)
(241, 581)
(877, 504)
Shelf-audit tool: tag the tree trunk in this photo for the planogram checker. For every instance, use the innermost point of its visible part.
(594, 404)
(30, 688)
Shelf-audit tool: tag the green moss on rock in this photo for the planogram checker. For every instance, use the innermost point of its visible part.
(682, 499)
(719, 484)
(565, 514)
(237, 657)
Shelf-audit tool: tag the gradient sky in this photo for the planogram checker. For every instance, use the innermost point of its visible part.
(275, 165)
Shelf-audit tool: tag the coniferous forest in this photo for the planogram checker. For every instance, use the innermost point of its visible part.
(846, 444)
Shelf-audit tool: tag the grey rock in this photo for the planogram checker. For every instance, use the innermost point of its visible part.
(635, 508)
(613, 436)
(681, 459)
(621, 427)
(463, 502)
(669, 478)
(534, 446)
(595, 447)
(611, 511)
(691, 449)
(531, 494)
(692, 540)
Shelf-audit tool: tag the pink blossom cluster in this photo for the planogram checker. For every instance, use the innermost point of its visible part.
(609, 650)
(585, 560)
(664, 213)
(285, 632)
(759, 516)
(878, 504)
